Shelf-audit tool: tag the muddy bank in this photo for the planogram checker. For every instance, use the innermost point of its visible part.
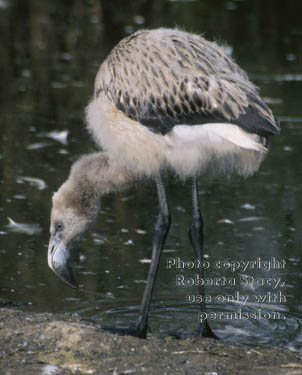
(51, 344)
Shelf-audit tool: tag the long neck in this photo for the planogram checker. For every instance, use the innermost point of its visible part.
(90, 177)
(97, 174)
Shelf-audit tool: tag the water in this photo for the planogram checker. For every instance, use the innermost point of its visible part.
(49, 56)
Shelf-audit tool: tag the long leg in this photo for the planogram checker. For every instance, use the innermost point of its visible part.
(196, 238)
(162, 226)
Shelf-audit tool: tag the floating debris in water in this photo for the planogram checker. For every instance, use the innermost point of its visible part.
(129, 242)
(109, 295)
(37, 146)
(63, 152)
(287, 148)
(225, 221)
(144, 260)
(140, 231)
(98, 241)
(33, 181)
(59, 136)
(248, 206)
(251, 218)
(30, 229)
(99, 238)
(19, 196)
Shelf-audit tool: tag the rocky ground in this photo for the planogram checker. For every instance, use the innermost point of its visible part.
(49, 344)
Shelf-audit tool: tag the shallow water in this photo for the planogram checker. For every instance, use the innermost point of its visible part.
(49, 56)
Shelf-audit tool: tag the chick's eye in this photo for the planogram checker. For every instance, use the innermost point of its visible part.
(59, 226)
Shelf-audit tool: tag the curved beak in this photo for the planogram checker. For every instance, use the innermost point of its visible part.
(58, 261)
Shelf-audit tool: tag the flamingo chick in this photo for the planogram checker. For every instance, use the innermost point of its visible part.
(163, 100)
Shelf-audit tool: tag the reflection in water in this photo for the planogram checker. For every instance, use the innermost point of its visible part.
(49, 56)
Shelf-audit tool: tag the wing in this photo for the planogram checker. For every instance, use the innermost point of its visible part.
(163, 77)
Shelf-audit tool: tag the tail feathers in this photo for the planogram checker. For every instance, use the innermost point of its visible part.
(238, 136)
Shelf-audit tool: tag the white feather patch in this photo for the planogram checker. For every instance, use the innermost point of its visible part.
(214, 148)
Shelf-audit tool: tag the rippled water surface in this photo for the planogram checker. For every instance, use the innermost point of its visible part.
(49, 56)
